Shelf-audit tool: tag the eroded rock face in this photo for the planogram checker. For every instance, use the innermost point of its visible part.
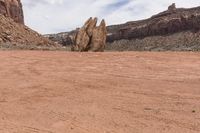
(12, 9)
(168, 22)
(18, 36)
(91, 37)
(98, 41)
(172, 7)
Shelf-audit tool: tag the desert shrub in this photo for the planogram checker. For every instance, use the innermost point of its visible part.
(183, 41)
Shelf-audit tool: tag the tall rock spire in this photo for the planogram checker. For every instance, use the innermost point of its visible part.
(91, 37)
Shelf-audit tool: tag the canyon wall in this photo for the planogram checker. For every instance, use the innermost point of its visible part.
(176, 28)
(168, 22)
(14, 34)
(12, 9)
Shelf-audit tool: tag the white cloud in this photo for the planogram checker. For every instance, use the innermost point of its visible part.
(51, 16)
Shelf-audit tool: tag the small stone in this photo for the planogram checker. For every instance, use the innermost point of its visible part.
(193, 111)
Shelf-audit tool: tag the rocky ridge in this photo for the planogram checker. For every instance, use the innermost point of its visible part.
(168, 22)
(17, 36)
(170, 25)
(14, 34)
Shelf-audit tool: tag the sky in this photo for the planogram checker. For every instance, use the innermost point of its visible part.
(53, 16)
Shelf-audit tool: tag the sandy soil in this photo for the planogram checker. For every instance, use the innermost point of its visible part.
(60, 92)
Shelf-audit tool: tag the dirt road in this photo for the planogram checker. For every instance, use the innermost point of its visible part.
(61, 92)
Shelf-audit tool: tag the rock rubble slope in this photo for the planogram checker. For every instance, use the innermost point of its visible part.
(17, 36)
(14, 34)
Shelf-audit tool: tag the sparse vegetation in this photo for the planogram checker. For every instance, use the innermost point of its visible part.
(183, 41)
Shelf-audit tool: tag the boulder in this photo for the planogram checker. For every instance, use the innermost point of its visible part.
(81, 41)
(90, 37)
(98, 41)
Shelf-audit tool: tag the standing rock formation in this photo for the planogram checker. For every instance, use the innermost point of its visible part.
(99, 37)
(90, 37)
(172, 7)
(90, 26)
(12, 9)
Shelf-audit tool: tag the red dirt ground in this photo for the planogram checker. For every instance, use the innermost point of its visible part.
(63, 92)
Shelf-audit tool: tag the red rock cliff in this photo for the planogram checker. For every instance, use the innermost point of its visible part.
(12, 9)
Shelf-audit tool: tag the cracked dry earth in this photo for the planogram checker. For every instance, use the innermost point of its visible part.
(130, 92)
